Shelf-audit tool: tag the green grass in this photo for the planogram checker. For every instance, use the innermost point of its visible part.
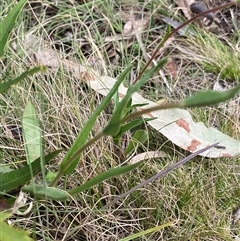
(218, 55)
(199, 197)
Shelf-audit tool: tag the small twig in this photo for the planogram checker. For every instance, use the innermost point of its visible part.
(159, 175)
(74, 156)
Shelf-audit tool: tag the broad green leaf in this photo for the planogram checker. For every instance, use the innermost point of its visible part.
(204, 98)
(5, 85)
(113, 126)
(7, 25)
(103, 176)
(19, 177)
(83, 135)
(138, 138)
(43, 192)
(32, 134)
(8, 233)
(148, 231)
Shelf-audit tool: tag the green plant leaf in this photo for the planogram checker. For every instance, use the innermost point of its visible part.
(7, 25)
(130, 125)
(128, 108)
(133, 124)
(132, 107)
(113, 126)
(4, 168)
(8, 233)
(204, 98)
(148, 231)
(44, 192)
(4, 216)
(103, 176)
(19, 177)
(83, 135)
(50, 176)
(5, 85)
(32, 134)
(139, 136)
(116, 100)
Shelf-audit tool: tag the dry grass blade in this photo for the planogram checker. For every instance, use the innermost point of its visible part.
(160, 174)
(146, 155)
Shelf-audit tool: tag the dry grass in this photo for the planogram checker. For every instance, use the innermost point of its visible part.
(198, 197)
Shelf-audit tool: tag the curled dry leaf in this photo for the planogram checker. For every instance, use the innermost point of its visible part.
(176, 124)
(20, 202)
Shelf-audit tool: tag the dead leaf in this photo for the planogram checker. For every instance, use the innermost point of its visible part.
(172, 69)
(133, 25)
(21, 201)
(176, 124)
(184, 5)
(40, 51)
(189, 135)
(127, 29)
(147, 155)
(140, 24)
(184, 31)
(48, 58)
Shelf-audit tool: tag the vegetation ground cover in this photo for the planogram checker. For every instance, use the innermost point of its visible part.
(198, 197)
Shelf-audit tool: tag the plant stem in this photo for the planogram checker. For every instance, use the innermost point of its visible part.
(147, 110)
(74, 156)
